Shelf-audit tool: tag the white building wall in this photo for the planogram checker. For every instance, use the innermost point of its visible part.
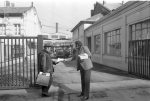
(31, 23)
(133, 15)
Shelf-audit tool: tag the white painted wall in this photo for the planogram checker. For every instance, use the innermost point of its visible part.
(30, 24)
(133, 15)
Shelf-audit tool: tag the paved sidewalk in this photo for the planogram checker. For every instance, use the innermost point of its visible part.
(107, 84)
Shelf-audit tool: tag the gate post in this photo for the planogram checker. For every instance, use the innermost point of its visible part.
(40, 39)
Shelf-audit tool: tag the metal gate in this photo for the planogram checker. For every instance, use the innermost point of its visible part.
(139, 58)
(18, 62)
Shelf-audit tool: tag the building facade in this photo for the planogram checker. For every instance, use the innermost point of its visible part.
(110, 35)
(98, 12)
(19, 21)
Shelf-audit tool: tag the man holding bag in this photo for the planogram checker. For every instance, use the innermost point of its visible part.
(45, 65)
(84, 65)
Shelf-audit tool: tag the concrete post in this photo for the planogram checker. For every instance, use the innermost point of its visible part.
(40, 40)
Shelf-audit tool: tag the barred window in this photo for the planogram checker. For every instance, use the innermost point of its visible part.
(97, 44)
(54, 36)
(2, 29)
(140, 31)
(17, 29)
(113, 43)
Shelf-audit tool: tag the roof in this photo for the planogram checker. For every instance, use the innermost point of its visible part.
(119, 9)
(104, 9)
(90, 20)
(112, 6)
(14, 10)
(99, 8)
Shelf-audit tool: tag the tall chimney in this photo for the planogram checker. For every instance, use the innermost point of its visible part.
(12, 5)
(56, 27)
(31, 4)
(122, 2)
(103, 2)
(7, 4)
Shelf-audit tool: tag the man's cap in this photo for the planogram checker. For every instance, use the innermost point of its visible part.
(79, 43)
(47, 44)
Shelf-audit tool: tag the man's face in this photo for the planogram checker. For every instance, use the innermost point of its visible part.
(48, 49)
(78, 46)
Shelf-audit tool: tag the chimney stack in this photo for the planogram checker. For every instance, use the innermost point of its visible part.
(31, 4)
(56, 27)
(12, 5)
(103, 2)
(7, 4)
(122, 2)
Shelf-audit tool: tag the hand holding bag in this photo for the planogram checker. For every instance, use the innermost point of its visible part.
(87, 64)
(43, 79)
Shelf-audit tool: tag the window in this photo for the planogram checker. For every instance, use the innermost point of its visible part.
(54, 36)
(97, 44)
(62, 37)
(140, 31)
(113, 43)
(17, 29)
(2, 29)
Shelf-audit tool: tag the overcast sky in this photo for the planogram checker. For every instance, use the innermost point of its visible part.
(66, 12)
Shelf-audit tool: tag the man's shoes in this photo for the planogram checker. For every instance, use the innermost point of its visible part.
(80, 95)
(85, 98)
(45, 95)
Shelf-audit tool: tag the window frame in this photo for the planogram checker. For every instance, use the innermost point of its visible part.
(95, 44)
(17, 29)
(144, 31)
(3, 26)
(112, 42)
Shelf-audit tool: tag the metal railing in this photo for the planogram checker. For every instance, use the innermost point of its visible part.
(18, 62)
(139, 58)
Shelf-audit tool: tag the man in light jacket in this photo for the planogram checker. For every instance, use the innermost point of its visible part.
(85, 73)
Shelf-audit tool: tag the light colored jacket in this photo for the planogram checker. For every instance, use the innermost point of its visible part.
(84, 49)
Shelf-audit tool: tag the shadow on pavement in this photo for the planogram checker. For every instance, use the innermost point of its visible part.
(111, 70)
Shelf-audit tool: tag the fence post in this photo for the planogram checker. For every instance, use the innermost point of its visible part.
(40, 39)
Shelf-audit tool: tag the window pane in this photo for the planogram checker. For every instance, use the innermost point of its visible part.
(148, 33)
(97, 44)
(138, 35)
(108, 44)
(113, 46)
(144, 34)
(133, 27)
(148, 23)
(138, 26)
(133, 35)
(144, 25)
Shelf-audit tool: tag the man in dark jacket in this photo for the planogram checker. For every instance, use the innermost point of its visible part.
(45, 65)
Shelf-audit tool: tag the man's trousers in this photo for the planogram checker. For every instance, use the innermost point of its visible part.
(46, 88)
(85, 81)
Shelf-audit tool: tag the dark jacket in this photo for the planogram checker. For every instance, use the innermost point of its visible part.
(45, 63)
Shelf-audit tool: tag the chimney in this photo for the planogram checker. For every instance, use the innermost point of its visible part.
(92, 12)
(122, 2)
(7, 4)
(12, 5)
(31, 4)
(56, 27)
(103, 2)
